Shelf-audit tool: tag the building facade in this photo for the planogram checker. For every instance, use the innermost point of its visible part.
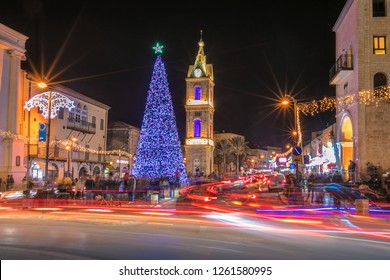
(199, 106)
(361, 75)
(12, 52)
(76, 135)
(122, 137)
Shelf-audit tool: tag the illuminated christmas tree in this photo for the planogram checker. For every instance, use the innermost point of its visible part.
(159, 153)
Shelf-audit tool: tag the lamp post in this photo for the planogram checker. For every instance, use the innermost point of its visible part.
(44, 85)
(120, 160)
(28, 133)
(297, 132)
(67, 148)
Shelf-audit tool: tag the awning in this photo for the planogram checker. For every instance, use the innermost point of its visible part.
(317, 161)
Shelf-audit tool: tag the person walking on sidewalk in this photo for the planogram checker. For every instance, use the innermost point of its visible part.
(310, 187)
(351, 171)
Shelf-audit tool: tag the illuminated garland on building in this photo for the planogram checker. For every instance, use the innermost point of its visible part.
(41, 101)
(314, 107)
(63, 144)
(159, 151)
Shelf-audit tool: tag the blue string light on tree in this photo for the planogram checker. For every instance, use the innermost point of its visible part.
(159, 152)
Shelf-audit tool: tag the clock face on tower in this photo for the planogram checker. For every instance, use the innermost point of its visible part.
(197, 72)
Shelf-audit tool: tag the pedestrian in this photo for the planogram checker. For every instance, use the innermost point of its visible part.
(351, 171)
(12, 181)
(310, 187)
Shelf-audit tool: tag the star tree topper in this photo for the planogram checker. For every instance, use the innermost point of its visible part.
(158, 49)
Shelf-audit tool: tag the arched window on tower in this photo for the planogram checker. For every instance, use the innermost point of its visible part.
(380, 85)
(197, 127)
(197, 92)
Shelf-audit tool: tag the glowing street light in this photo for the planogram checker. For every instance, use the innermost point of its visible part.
(296, 132)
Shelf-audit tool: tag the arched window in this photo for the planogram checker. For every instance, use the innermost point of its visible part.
(197, 92)
(380, 84)
(197, 126)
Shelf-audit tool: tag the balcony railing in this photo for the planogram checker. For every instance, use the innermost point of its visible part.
(341, 69)
(80, 125)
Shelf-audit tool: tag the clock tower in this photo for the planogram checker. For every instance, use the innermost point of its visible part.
(199, 106)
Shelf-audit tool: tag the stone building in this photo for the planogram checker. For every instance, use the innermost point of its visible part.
(122, 137)
(361, 75)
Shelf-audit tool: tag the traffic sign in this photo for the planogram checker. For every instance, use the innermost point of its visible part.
(297, 151)
(306, 159)
(297, 159)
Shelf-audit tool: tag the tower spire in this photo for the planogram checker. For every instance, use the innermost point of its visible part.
(200, 59)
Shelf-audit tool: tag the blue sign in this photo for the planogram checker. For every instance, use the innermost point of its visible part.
(42, 132)
(306, 159)
(292, 165)
(297, 151)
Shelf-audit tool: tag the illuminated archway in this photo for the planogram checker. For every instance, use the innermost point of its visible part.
(346, 141)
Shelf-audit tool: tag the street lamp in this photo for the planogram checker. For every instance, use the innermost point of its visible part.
(44, 85)
(297, 131)
(121, 149)
(69, 149)
(28, 133)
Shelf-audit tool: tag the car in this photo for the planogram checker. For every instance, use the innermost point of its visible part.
(273, 182)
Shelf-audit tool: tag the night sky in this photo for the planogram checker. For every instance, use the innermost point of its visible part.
(105, 51)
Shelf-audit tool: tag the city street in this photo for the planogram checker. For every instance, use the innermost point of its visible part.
(190, 231)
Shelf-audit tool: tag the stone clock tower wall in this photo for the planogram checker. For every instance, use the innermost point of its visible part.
(199, 106)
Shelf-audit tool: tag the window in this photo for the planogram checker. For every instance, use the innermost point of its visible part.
(56, 151)
(198, 114)
(379, 44)
(379, 8)
(197, 92)
(380, 85)
(84, 116)
(78, 112)
(61, 113)
(197, 125)
(17, 161)
(345, 88)
(71, 116)
(101, 124)
(93, 121)
(87, 152)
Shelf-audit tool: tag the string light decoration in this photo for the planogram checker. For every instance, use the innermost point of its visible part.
(375, 95)
(316, 106)
(41, 101)
(159, 152)
(63, 144)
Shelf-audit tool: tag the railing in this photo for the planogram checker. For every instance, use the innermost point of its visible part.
(344, 62)
(81, 125)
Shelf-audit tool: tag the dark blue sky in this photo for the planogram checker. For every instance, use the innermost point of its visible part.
(256, 51)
